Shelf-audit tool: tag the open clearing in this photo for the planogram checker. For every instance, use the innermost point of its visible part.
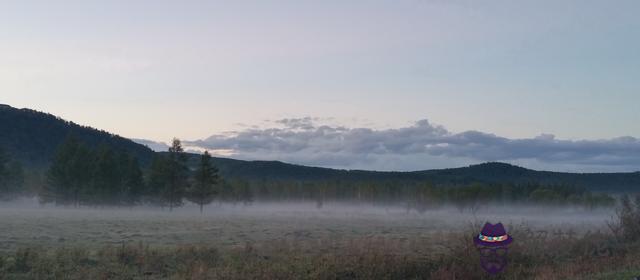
(29, 224)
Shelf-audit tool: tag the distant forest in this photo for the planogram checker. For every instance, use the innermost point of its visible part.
(32, 138)
(81, 175)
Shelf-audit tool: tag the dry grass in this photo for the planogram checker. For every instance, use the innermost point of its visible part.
(365, 258)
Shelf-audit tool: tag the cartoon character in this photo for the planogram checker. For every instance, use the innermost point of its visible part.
(492, 243)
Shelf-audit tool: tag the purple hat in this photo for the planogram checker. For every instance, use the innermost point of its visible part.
(493, 235)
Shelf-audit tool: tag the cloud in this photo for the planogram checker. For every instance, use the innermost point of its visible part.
(153, 145)
(419, 146)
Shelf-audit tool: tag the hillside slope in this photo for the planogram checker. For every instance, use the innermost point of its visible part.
(32, 137)
(492, 172)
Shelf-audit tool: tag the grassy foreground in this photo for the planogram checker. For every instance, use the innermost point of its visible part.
(532, 256)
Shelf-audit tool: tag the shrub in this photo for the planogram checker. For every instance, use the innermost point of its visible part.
(628, 215)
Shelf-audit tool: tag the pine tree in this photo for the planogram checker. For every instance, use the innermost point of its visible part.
(80, 168)
(157, 180)
(106, 177)
(177, 174)
(206, 176)
(58, 176)
(132, 187)
(11, 177)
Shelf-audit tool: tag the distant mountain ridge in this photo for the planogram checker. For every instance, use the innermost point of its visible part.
(491, 172)
(32, 137)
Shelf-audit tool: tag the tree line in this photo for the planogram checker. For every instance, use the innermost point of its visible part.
(420, 196)
(81, 175)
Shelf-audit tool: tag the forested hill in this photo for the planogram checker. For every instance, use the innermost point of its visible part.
(32, 137)
(505, 173)
(493, 173)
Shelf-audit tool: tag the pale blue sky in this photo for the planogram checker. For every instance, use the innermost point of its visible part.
(158, 69)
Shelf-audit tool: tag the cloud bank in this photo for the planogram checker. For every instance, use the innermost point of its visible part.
(419, 146)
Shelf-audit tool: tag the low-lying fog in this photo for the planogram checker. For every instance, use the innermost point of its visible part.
(27, 223)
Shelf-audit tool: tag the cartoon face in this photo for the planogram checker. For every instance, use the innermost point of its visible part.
(493, 259)
(492, 245)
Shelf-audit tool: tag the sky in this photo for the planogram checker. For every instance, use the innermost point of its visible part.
(549, 85)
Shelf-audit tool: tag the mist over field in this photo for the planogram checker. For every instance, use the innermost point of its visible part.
(228, 225)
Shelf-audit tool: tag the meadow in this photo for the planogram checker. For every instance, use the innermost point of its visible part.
(302, 241)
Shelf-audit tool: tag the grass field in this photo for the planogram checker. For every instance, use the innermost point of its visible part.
(299, 241)
(229, 225)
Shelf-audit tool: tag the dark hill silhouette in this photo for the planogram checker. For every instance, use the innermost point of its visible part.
(495, 172)
(32, 138)
(491, 172)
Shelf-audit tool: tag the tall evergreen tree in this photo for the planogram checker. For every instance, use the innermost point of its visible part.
(206, 177)
(106, 177)
(70, 173)
(11, 177)
(177, 174)
(81, 173)
(157, 181)
(133, 187)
